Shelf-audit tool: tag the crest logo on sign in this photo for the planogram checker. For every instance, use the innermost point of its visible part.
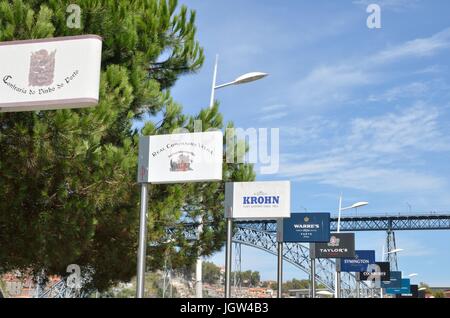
(181, 163)
(42, 68)
(334, 241)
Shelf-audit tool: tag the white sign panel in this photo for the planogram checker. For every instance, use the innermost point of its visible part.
(50, 73)
(191, 157)
(258, 200)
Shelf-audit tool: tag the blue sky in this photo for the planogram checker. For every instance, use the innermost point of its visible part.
(362, 111)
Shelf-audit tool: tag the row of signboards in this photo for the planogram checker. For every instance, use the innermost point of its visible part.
(271, 200)
(197, 157)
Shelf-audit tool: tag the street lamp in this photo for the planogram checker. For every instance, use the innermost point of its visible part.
(245, 78)
(395, 251)
(353, 206)
(413, 275)
(337, 289)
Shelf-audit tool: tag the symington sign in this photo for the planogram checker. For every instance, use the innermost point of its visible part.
(359, 263)
(191, 157)
(341, 245)
(305, 227)
(50, 73)
(258, 200)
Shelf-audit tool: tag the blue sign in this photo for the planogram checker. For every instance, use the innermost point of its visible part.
(306, 227)
(394, 282)
(362, 260)
(405, 289)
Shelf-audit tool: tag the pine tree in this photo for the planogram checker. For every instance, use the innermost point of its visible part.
(68, 193)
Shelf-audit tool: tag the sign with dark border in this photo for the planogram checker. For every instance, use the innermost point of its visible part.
(305, 227)
(383, 273)
(395, 280)
(360, 263)
(405, 289)
(341, 245)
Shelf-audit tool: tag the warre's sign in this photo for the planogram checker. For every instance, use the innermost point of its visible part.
(190, 157)
(340, 245)
(258, 200)
(50, 73)
(304, 227)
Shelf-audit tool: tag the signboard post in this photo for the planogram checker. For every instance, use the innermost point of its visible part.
(341, 245)
(255, 201)
(191, 157)
(50, 73)
(302, 228)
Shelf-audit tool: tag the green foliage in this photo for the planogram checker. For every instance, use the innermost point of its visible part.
(248, 278)
(295, 284)
(211, 273)
(67, 177)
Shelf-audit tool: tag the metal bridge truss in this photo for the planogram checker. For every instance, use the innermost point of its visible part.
(262, 235)
(297, 255)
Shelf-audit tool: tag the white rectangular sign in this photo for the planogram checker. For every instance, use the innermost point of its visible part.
(50, 73)
(258, 200)
(191, 157)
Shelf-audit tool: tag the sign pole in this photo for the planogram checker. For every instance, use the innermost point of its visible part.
(313, 277)
(358, 295)
(337, 292)
(228, 258)
(142, 242)
(280, 270)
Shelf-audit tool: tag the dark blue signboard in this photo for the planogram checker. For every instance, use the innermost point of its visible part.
(395, 281)
(363, 258)
(306, 227)
(405, 289)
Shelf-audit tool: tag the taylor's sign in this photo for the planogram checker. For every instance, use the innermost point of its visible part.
(381, 271)
(50, 73)
(304, 227)
(258, 200)
(340, 245)
(360, 263)
(191, 157)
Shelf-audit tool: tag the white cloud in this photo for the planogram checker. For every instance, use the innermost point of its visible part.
(273, 107)
(336, 84)
(376, 154)
(411, 90)
(415, 48)
(325, 85)
(273, 116)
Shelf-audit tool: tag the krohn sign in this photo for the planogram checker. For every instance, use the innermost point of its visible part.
(304, 227)
(188, 157)
(258, 200)
(51, 73)
(341, 245)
